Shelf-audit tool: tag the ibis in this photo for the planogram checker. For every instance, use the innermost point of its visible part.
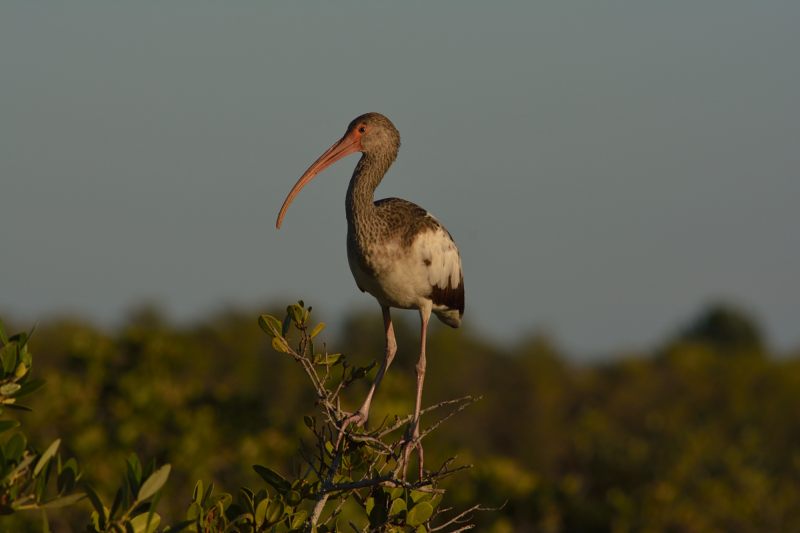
(397, 251)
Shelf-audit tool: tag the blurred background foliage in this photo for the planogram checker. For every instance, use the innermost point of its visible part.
(698, 434)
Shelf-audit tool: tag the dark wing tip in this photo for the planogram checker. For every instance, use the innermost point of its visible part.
(451, 297)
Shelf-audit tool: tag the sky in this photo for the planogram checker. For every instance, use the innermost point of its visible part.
(607, 169)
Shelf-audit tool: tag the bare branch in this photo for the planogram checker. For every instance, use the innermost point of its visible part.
(463, 517)
(469, 401)
(400, 422)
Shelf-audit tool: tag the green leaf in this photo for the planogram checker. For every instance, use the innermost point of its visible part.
(115, 505)
(135, 466)
(29, 387)
(140, 522)
(330, 359)
(9, 388)
(398, 506)
(435, 500)
(317, 329)
(369, 504)
(5, 425)
(419, 514)
(261, 511)
(420, 495)
(274, 512)
(46, 456)
(21, 370)
(194, 511)
(223, 499)
(273, 478)
(24, 355)
(270, 325)
(297, 313)
(3, 336)
(133, 477)
(287, 323)
(246, 497)
(15, 447)
(67, 476)
(308, 421)
(63, 501)
(23, 338)
(279, 344)
(293, 498)
(197, 495)
(154, 483)
(299, 519)
(17, 407)
(9, 357)
(207, 494)
(41, 484)
(99, 508)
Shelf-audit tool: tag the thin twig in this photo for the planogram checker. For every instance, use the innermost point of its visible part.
(455, 411)
(464, 516)
(400, 422)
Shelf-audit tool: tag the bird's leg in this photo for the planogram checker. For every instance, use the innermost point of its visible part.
(359, 418)
(412, 435)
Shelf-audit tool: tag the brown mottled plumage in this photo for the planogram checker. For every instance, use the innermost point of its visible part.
(397, 251)
(398, 219)
(389, 219)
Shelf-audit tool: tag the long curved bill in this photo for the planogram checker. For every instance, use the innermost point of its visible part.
(345, 146)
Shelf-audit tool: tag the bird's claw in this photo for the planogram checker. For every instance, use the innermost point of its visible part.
(358, 419)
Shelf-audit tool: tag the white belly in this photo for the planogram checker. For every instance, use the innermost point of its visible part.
(404, 274)
(395, 277)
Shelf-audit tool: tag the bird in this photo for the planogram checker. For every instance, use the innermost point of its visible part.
(397, 251)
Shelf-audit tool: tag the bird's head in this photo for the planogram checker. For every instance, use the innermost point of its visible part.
(372, 134)
(375, 133)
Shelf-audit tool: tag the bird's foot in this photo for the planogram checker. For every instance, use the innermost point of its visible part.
(359, 418)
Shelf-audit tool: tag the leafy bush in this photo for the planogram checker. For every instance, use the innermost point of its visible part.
(350, 479)
(42, 481)
(692, 435)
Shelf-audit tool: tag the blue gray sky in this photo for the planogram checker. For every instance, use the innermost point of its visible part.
(606, 168)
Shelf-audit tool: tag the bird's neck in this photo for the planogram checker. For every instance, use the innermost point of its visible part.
(361, 211)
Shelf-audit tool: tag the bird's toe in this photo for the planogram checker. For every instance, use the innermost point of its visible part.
(358, 419)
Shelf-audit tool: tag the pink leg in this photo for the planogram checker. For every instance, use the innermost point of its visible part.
(412, 438)
(360, 416)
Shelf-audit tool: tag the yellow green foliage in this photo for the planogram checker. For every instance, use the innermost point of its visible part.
(697, 435)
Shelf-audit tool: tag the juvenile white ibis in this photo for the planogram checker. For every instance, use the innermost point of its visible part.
(397, 251)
